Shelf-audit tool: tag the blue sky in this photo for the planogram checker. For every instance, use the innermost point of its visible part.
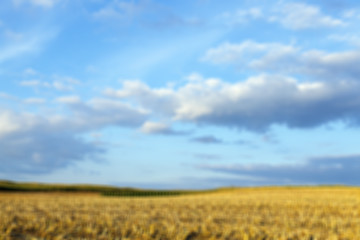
(180, 94)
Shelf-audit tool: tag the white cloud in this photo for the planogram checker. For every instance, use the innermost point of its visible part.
(10, 122)
(30, 83)
(150, 127)
(83, 116)
(7, 124)
(68, 99)
(151, 98)
(242, 52)
(63, 83)
(154, 127)
(255, 103)
(61, 86)
(298, 15)
(195, 77)
(99, 112)
(66, 79)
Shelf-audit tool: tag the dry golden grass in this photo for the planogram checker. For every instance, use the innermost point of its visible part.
(254, 213)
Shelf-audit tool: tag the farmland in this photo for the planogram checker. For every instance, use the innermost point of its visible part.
(239, 213)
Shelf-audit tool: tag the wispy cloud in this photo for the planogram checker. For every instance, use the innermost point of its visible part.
(240, 16)
(30, 42)
(287, 59)
(351, 39)
(7, 96)
(38, 3)
(34, 101)
(242, 52)
(59, 83)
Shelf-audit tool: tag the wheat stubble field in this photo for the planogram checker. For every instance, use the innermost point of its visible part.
(245, 213)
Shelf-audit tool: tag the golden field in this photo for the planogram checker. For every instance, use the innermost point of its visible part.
(246, 213)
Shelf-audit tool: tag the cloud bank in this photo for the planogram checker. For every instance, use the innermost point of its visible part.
(322, 170)
(32, 143)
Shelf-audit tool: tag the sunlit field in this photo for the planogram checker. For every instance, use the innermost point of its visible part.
(248, 213)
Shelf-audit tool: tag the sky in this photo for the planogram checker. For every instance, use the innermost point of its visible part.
(180, 94)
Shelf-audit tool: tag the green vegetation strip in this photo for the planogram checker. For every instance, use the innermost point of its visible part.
(144, 193)
(109, 191)
(10, 186)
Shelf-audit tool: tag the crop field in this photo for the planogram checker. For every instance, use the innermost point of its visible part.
(282, 213)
